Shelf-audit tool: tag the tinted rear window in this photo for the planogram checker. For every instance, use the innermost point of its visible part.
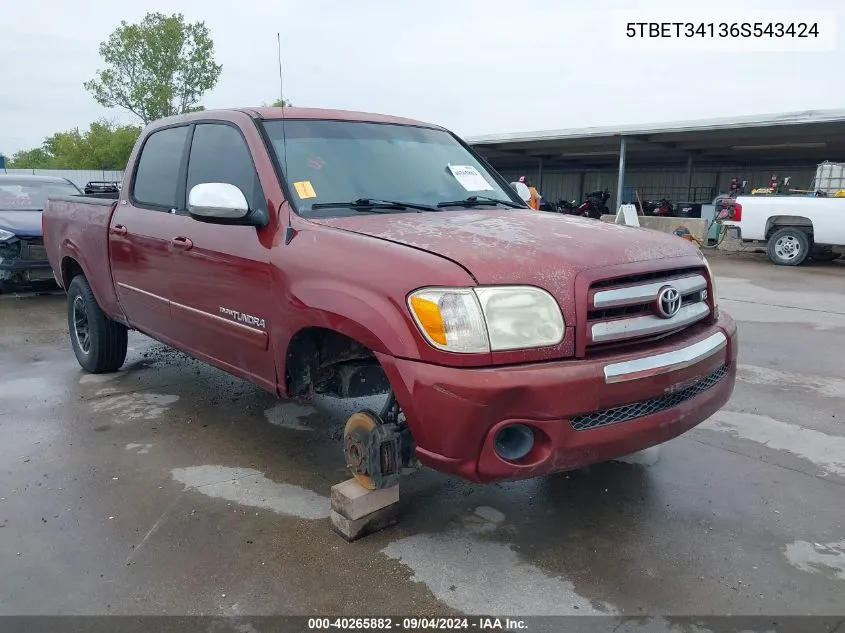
(157, 175)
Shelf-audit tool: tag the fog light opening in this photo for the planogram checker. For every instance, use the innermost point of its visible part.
(513, 442)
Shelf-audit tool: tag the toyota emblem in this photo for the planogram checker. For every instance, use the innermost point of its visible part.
(668, 302)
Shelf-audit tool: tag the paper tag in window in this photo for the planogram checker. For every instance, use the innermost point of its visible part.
(469, 178)
(305, 189)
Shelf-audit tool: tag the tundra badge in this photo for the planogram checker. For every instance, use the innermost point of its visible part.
(240, 317)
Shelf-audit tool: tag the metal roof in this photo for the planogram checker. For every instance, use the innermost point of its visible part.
(808, 135)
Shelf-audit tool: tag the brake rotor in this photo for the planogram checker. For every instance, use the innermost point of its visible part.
(357, 438)
(373, 450)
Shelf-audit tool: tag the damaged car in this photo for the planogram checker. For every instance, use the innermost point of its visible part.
(23, 261)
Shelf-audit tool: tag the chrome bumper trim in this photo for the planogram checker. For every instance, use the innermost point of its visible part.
(645, 293)
(665, 363)
(623, 329)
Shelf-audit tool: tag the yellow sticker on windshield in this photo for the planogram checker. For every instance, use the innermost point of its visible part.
(305, 189)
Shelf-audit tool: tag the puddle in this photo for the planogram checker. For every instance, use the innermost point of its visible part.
(825, 451)
(135, 406)
(140, 449)
(26, 388)
(249, 487)
(818, 557)
(289, 415)
(484, 520)
(477, 576)
(97, 378)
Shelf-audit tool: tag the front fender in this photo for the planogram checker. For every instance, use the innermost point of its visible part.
(360, 313)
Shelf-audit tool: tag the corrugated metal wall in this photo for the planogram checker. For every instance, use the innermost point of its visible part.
(77, 176)
(573, 185)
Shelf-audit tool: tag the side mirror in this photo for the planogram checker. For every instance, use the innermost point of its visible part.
(216, 201)
(522, 190)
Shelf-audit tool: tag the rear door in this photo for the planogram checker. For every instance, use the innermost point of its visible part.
(142, 227)
(219, 275)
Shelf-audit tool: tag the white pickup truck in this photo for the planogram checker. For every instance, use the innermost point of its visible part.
(794, 227)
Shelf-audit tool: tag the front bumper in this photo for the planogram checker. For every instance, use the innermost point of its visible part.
(27, 264)
(24, 272)
(582, 411)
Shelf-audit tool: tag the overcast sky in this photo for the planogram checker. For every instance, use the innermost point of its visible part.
(475, 66)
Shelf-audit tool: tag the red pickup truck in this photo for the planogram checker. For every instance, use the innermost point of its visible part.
(342, 256)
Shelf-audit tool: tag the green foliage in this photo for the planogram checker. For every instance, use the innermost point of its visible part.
(36, 158)
(159, 67)
(104, 145)
(281, 103)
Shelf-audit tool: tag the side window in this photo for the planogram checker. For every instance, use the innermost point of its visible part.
(220, 154)
(157, 174)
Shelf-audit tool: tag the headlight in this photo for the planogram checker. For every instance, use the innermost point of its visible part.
(493, 318)
(450, 319)
(6, 235)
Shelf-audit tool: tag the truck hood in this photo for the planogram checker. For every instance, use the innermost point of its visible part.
(519, 247)
(21, 223)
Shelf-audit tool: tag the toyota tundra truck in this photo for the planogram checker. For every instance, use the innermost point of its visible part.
(379, 262)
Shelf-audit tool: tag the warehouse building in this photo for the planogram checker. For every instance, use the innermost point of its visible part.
(691, 161)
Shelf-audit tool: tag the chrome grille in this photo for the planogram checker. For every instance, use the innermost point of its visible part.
(651, 406)
(624, 309)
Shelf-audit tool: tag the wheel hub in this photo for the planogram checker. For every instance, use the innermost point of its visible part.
(788, 247)
(372, 450)
(81, 327)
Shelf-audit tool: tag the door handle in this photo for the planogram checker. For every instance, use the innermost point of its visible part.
(119, 229)
(182, 243)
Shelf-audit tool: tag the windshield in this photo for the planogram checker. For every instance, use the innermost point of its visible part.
(345, 161)
(31, 194)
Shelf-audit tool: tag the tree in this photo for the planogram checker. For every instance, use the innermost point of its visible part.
(29, 159)
(159, 67)
(281, 103)
(105, 145)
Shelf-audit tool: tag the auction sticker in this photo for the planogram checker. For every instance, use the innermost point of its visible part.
(305, 189)
(470, 178)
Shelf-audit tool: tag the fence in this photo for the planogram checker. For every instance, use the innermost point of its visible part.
(702, 195)
(77, 176)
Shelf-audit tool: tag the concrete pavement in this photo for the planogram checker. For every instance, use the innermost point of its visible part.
(174, 488)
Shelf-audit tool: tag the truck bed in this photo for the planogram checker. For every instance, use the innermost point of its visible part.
(76, 236)
(825, 217)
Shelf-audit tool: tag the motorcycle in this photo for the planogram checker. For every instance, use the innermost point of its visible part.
(594, 205)
(566, 207)
(664, 209)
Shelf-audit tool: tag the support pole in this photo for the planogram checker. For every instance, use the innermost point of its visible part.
(620, 183)
(540, 176)
(689, 179)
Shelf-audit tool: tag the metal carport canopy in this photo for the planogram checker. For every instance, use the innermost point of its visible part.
(799, 137)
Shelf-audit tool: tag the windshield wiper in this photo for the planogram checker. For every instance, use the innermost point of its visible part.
(473, 201)
(374, 204)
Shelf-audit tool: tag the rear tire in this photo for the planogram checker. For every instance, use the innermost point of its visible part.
(98, 342)
(788, 247)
